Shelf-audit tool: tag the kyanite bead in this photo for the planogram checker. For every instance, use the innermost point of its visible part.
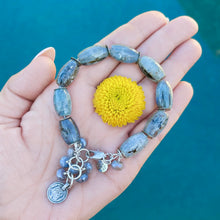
(63, 161)
(92, 54)
(83, 178)
(164, 95)
(134, 144)
(74, 170)
(67, 73)
(124, 54)
(151, 68)
(69, 131)
(60, 174)
(117, 165)
(62, 102)
(83, 142)
(156, 123)
(102, 166)
(88, 167)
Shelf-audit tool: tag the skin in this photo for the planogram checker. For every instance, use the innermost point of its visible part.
(31, 145)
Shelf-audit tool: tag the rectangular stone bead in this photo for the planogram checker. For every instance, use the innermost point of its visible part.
(134, 144)
(69, 131)
(67, 73)
(92, 54)
(156, 123)
(62, 102)
(164, 95)
(124, 54)
(151, 68)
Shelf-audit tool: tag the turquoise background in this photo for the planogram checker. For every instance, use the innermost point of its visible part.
(181, 178)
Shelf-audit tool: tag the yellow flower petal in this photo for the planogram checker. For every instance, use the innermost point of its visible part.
(119, 101)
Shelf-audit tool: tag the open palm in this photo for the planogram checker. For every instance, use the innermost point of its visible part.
(31, 144)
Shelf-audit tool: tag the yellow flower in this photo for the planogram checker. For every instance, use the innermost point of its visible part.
(119, 101)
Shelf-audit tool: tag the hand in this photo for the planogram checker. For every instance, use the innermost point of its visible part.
(31, 144)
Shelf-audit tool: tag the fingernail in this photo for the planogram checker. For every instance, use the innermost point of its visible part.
(167, 19)
(48, 52)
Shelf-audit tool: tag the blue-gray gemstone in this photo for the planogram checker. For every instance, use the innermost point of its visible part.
(156, 123)
(70, 152)
(102, 166)
(63, 161)
(134, 144)
(164, 95)
(117, 165)
(83, 142)
(92, 54)
(74, 169)
(62, 102)
(88, 167)
(60, 174)
(67, 73)
(83, 178)
(69, 131)
(151, 68)
(124, 54)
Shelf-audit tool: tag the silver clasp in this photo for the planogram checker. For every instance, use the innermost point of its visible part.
(96, 155)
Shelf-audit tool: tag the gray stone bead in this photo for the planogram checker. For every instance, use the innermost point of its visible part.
(92, 54)
(124, 54)
(70, 152)
(88, 167)
(63, 162)
(164, 95)
(134, 144)
(62, 102)
(67, 73)
(60, 174)
(69, 131)
(117, 165)
(74, 171)
(83, 178)
(102, 166)
(156, 123)
(151, 68)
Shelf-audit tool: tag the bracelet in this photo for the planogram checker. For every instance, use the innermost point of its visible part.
(75, 166)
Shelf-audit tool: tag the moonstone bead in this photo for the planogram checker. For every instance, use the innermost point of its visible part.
(134, 144)
(124, 54)
(60, 174)
(62, 102)
(92, 54)
(164, 95)
(117, 165)
(88, 167)
(63, 162)
(83, 178)
(151, 68)
(156, 123)
(67, 73)
(69, 131)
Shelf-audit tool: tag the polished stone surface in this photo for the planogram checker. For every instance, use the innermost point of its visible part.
(92, 55)
(62, 102)
(134, 144)
(151, 68)
(124, 54)
(67, 73)
(69, 130)
(164, 95)
(156, 123)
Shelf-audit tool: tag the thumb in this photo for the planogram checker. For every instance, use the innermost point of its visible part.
(24, 87)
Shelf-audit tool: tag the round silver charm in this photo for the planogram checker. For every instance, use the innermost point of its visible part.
(55, 193)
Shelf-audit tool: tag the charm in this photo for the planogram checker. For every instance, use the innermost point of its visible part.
(56, 193)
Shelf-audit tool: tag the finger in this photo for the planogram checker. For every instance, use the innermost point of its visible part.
(132, 34)
(160, 44)
(24, 87)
